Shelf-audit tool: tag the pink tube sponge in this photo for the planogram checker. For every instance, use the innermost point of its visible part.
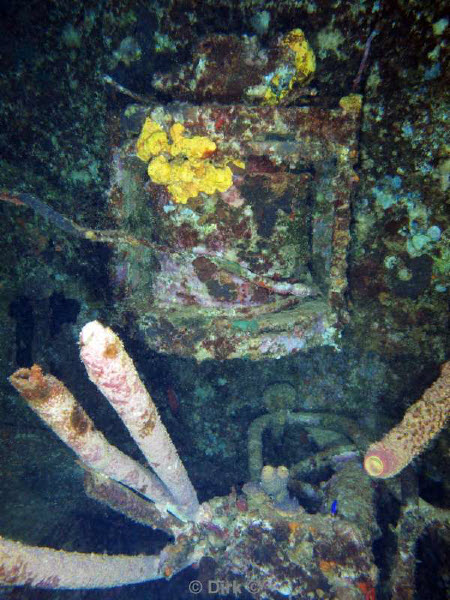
(113, 372)
(382, 461)
(422, 421)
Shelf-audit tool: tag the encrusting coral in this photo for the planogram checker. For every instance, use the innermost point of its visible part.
(422, 421)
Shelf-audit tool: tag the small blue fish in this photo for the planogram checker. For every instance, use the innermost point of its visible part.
(334, 508)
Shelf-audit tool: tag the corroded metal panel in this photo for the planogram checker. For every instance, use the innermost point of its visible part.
(258, 270)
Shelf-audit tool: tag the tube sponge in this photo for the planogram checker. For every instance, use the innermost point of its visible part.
(422, 421)
(274, 482)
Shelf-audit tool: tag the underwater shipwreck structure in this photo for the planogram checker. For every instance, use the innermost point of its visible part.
(256, 266)
(229, 206)
(260, 540)
(230, 224)
(250, 204)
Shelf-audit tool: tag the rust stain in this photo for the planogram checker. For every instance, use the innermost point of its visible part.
(148, 426)
(34, 386)
(79, 420)
(112, 349)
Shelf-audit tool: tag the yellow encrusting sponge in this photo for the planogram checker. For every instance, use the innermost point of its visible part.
(183, 164)
(422, 421)
(299, 70)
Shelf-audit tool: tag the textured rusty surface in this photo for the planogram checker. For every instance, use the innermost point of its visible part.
(258, 270)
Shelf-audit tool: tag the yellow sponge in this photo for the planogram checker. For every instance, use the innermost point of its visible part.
(183, 164)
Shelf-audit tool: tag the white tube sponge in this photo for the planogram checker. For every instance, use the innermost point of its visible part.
(35, 566)
(47, 568)
(53, 402)
(111, 369)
